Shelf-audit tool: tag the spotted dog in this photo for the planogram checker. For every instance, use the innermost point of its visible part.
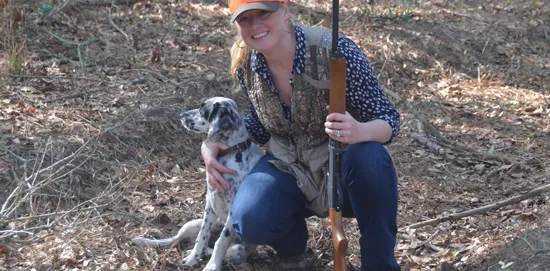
(220, 119)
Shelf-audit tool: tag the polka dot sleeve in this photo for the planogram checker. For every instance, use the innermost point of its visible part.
(364, 92)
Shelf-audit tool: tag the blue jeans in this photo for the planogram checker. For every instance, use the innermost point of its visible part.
(269, 208)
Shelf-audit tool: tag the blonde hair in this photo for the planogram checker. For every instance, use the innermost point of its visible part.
(240, 54)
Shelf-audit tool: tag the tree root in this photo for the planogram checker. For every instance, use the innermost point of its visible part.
(429, 144)
(436, 146)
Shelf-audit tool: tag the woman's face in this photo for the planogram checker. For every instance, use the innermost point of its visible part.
(262, 30)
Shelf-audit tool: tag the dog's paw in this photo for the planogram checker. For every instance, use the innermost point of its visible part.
(191, 260)
(237, 254)
(212, 266)
(208, 251)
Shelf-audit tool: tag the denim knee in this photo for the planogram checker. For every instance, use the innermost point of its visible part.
(369, 176)
(367, 158)
(263, 223)
(266, 204)
(254, 226)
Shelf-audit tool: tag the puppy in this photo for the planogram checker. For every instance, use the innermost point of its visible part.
(220, 119)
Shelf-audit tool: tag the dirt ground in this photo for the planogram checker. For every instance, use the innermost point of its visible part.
(92, 152)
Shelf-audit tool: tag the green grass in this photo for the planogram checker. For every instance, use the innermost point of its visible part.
(14, 50)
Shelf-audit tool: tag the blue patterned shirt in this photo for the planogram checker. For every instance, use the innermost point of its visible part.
(363, 92)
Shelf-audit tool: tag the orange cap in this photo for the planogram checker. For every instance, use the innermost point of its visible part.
(236, 7)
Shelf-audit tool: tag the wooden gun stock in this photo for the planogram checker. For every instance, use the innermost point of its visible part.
(338, 240)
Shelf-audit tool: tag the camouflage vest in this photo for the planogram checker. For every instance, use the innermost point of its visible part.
(301, 145)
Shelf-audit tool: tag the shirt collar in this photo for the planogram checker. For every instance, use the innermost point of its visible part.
(258, 62)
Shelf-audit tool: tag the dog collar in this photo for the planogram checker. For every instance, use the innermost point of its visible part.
(236, 148)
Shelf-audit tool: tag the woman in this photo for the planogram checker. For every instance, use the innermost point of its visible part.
(283, 70)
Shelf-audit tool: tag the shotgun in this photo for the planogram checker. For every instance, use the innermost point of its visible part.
(337, 104)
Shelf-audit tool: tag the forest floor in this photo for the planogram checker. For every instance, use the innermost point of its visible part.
(92, 152)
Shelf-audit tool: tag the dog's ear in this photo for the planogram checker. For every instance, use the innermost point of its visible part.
(227, 119)
(222, 119)
(215, 111)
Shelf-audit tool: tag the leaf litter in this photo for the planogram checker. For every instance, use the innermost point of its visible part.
(477, 71)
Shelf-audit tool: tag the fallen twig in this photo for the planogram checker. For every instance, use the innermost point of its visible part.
(12, 232)
(54, 77)
(80, 94)
(433, 131)
(458, 254)
(57, 9)
(421, 244)
(428, 143)
(59, 215)
(435, 146)
(439, 141)
(29, 184)
(77, 44)
(103, 2)
(475, 152)
(176, 84)
(25, 162)
(533, 249)
(113, 23)
(487, 208)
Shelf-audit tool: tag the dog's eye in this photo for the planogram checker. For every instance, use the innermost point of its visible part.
(201, 108)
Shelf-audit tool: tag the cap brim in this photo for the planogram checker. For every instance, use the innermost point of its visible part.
(267, 6)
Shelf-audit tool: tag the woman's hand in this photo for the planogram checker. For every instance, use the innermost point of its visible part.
(215, 169)
(352, 131)
(343, 128)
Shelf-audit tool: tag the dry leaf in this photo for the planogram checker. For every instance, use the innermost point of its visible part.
(155, 55)
(68, 255)
(150, 170)
(421, 260)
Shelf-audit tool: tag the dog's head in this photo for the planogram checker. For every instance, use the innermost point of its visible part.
(219, 117)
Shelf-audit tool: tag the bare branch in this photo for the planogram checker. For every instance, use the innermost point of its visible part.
(78, 45)
(113, 24)
(59, 215)
(533, 249)
(58, 8)
(484, 209)
(428, 143)
(54, 77)
(20, 195)
(439, 141)
(6, 233)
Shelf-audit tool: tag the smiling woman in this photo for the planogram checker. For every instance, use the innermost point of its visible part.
(265, 27)
(283, 68)
(250, 17)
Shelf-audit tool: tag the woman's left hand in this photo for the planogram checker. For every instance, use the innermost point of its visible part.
(343, 128)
